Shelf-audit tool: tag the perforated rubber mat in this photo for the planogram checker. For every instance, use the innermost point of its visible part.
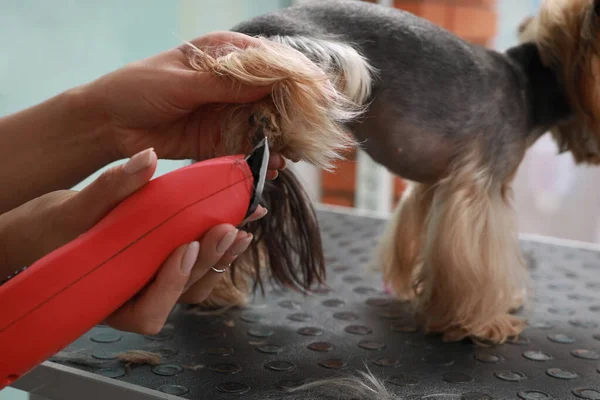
(286, 339)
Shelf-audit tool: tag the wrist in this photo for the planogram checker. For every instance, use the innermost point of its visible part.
(87, 118)
(52, 145)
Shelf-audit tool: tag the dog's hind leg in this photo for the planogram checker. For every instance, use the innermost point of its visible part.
(472, 270)
(399, 252)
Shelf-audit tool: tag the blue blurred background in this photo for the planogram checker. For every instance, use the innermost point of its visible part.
(49, 46)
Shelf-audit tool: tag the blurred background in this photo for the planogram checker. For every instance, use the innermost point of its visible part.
(49, 46)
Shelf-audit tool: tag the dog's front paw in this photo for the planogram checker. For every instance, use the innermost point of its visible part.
(504, 328)
(519, 301)
(500, 330)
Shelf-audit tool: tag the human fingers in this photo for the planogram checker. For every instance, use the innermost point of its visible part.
(201, 289)
(62, 216)
(215, 43)
(272, 174)
(224, 38)
(148, 311)
(210, 88)
(213, 246)
(276, 161)
(259, 213)
(206, 88)
(112, 187)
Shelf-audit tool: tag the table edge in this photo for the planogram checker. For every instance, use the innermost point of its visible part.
(59, 382)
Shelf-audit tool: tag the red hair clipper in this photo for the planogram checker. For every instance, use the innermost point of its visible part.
(63, 295)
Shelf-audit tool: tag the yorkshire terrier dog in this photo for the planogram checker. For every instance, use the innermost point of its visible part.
(452, 118)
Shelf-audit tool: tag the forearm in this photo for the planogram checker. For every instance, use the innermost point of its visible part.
(50, 146)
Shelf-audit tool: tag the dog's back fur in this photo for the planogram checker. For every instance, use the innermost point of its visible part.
(428, 84)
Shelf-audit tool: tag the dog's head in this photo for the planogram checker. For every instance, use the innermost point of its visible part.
(567, 33)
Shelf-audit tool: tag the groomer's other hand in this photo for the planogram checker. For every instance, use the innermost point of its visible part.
(162, 102)
(41, 225)
(45, 223)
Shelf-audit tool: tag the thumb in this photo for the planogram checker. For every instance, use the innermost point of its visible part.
(114, 185)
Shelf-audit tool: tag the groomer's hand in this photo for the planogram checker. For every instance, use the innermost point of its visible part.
(41, 225)
(161, 101)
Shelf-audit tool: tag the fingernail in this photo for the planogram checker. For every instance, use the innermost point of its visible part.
(226, 241)
(241, 246)
(190, 257)
(263, 211)
(139, 162)
(284, 163)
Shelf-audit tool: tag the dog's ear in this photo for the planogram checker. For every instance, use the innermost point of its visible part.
(288, 238)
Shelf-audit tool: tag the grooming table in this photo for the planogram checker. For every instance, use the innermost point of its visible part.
(285, 339)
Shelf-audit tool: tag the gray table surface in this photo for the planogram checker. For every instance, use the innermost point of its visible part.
(285, 339)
